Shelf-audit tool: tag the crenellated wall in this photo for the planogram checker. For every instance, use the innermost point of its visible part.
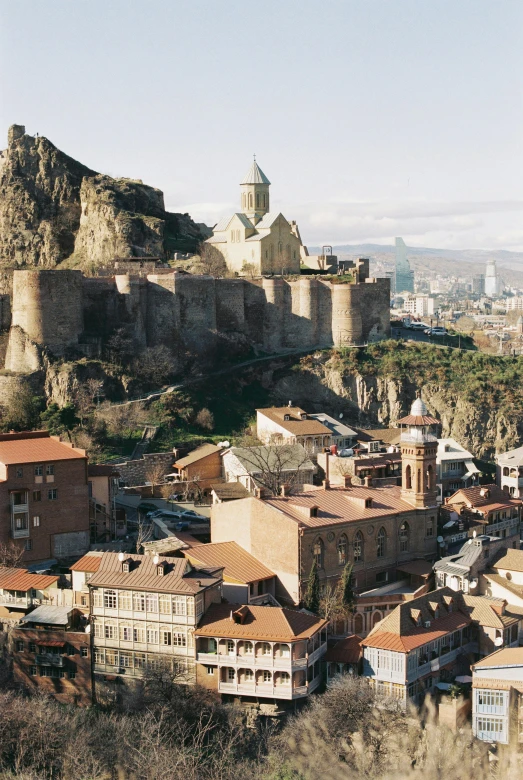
(63, 311)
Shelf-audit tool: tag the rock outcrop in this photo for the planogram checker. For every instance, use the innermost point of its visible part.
(53, 208)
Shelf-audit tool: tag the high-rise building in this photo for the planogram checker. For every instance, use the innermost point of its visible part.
(478, 284)
(403, 275)
(491, 279)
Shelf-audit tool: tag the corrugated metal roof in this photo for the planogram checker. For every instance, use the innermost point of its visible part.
(268, 220)
(386, 640)
(511, 457)
(198, 454)
(273, 624)
(21, 579)
(412, 419)
(511, 559)
(296, 425)
(90, 563)
(178, 578)
(255, 175)
(506, 656)
(55, 616)
(42, 448)
(337, 505)
(222, 224)
(238, 564)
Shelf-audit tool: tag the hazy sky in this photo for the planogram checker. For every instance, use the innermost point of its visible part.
(371, 118)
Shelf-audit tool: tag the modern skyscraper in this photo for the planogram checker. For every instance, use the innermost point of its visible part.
(403, 276)
(492, 285)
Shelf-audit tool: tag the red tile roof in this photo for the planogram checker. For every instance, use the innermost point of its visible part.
(271, 624)
(21, 579)
(22, 448)
(414, 419)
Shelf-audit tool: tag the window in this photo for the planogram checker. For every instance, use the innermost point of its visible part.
(267, 677)
(19, 646)
(266, 648)
(342, 550)
(358, 547)
(489, 728)
(139, 602)
(166, 637)
(404, 535)
(139, 660)
(110, 599)
(97, 598)
(248, 648)
(164, 604)
(110, 631)
(429, 530)
(126, 633)
(111, 657)
(231, 647)
(32, 647)
(285, 651)
(28, 545)
(179, 638)
(152, 635)
(49, 470)
(210, 670)
(381, 543)
(84, 652)
(152, 602)
(285, 678)
(39, 470)
(99, 655)
(19, 473)
(491, 698)
(37, 495)
(71, 673)
(230, 673)
(36, 520)
(179, 605)
(317, 553)
(139, 634)
(125, 600)
(34, 671)
(98, 629)
(249, 675)
(52, 494)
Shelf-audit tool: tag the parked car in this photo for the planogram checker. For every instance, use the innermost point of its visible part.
(144, 508)
(181, 526)
(189, 514)
(436, 331)
(417, 326)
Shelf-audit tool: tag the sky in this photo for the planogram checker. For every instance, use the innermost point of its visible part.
(371, 118)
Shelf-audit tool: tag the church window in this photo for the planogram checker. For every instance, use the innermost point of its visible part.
(381, 543)
(342, 550)
(265, 201)
(358, 547)
(257, 200)
(408, 478)
(404, 537)
(429, 478)
(250, 200)
(317, 552)
(419, 480)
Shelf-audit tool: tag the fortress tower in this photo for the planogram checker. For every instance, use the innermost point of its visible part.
(418, 457)
(255, 193)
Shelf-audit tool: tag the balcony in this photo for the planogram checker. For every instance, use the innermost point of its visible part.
(263, 661)
(20, 533)
(268, 690)
(49, 659)
(20, 601)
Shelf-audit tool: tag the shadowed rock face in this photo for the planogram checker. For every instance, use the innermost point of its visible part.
(53, 207)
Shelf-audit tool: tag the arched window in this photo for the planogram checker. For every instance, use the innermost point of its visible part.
(358, 623)
(376, 618)
(381, 543)
(505, 471)
(404, 535)
(250, 200)
(317, 552)
(265, 201)
(342, 550)
(429, 478)
(358, 547)
(257, 200)
(408, 478)
(419, 481)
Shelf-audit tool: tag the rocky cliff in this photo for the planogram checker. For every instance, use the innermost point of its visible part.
(53, 208)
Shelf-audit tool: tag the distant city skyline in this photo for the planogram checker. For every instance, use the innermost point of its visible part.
(371, 120)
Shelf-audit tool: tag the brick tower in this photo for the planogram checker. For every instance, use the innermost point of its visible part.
(418, 457)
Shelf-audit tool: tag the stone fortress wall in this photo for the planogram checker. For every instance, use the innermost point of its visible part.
(63, 311)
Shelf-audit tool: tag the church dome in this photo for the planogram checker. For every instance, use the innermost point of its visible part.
(418, 408)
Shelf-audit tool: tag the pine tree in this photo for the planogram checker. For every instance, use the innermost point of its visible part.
(346, 592)
(312, 594)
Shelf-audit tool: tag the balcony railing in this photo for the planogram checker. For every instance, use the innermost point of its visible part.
(6, 598)
(268, 690)
(20, 533)
(49, 659)
(265, 661)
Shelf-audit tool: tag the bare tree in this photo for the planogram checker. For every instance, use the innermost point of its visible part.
(144, 531)
(155, 474)
(205, 419)
(274, 466)
(11, 554)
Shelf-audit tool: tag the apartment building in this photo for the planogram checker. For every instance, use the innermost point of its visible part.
(504, 578)
(144, 610)
(487, 509)
(21, 590)
(51, 652)
(200, 469)
(292, 425)
(107, 522)
(81, 572)
(455, 467)
(497, 697)
(260, 653)
(509, 472)
(43, 496)
(462, 570)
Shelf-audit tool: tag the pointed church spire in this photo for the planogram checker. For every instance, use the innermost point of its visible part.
(255, 175)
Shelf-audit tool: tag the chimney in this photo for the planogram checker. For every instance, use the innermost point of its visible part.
(257, 492)
(290, 404)
(368, 482)
(284, 490)
(347, 480)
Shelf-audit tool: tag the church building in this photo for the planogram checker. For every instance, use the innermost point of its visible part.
(257, 240)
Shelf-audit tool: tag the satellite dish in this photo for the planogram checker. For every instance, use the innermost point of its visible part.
(470, 541)
(439, 540)
(341, 415)
(156, 560)
(474, 534)
(498, 641)
(121, 557)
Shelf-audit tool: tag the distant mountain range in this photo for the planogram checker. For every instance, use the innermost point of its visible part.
(444, 261)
